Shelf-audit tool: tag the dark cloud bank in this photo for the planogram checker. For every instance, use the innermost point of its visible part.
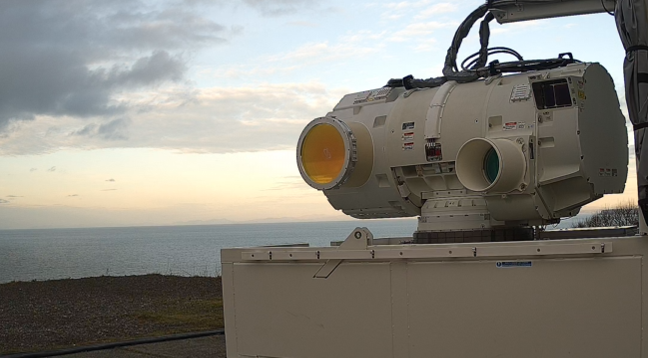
(71, 58)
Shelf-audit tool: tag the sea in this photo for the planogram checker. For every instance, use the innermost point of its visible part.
(50, 254)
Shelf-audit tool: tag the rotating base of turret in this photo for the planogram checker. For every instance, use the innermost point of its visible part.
(482, 235)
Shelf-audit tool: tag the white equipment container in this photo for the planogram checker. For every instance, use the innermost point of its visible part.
(566, 298)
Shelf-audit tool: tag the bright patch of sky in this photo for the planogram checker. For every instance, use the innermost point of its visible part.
(154, 113)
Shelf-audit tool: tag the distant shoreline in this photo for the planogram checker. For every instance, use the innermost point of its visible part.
(46, 280)
(62, 313)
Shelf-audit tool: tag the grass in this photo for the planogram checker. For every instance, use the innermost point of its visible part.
(40, 316)
(194, 315)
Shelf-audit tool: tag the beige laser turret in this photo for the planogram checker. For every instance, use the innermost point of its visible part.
(504, 153)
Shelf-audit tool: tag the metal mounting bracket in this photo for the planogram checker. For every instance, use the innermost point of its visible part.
(359, 240)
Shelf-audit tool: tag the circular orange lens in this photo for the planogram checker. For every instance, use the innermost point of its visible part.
(323, 153)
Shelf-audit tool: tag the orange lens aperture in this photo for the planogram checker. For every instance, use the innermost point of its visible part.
(323, 153)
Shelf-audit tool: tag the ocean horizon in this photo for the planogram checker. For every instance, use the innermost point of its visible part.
(185, 250)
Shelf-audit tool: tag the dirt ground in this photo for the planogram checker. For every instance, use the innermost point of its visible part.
(45, 315)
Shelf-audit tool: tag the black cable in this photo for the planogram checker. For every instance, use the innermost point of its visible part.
(606, 10)
(450, 70)
(525, 66)
(106, 346)
(474, 66)
(472, 60)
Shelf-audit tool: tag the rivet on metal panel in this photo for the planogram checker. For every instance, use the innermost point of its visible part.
(373, 254)
(602, 248)
(270, 255)
(474, 250)
(318, 255)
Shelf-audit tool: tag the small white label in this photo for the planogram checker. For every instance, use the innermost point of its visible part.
(521, 92)
(408, 146)
(408, 136)
(510, 126)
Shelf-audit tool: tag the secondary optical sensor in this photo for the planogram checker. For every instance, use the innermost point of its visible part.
(485, 165)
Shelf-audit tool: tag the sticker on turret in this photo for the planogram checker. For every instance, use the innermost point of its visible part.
(581, 84)
(521, 92)
(510, 126)
(409, 136)
(608, 172)
(407, 126)
(408, 146)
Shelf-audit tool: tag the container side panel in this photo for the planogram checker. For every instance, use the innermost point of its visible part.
(282, 311)
(587, 307)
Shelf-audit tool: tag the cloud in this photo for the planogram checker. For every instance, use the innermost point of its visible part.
(33, 169)
(63, 58)
(418, 10)
(414, 31)
(303, 24)
(110, 180)
(357, 44)
(3, 201)
(213, 120)
(108, 189)
(52, 169)
(114, 129)
(290, 183)
(324, 52)
(404, 5)
(72, 195)
(222, 120)
(436, 10)
(424, 46)
(281, 7)
(14, 196)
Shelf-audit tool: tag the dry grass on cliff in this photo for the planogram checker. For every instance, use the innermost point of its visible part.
(44, 315)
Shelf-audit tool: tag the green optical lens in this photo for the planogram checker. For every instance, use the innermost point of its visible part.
(491, 165)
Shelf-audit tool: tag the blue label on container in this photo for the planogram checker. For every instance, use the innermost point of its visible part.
(513, 264)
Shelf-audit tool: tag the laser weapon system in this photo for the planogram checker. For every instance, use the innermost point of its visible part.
(483, 159)
(482, 156)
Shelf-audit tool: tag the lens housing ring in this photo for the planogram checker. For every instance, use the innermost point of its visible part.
(473, 161)
(349, 151)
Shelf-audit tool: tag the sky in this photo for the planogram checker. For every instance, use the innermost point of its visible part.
(126, 113)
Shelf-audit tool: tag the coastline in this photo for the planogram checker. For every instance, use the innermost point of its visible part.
(46, 315)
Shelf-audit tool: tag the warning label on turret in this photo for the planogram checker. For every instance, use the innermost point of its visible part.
(510, 126)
